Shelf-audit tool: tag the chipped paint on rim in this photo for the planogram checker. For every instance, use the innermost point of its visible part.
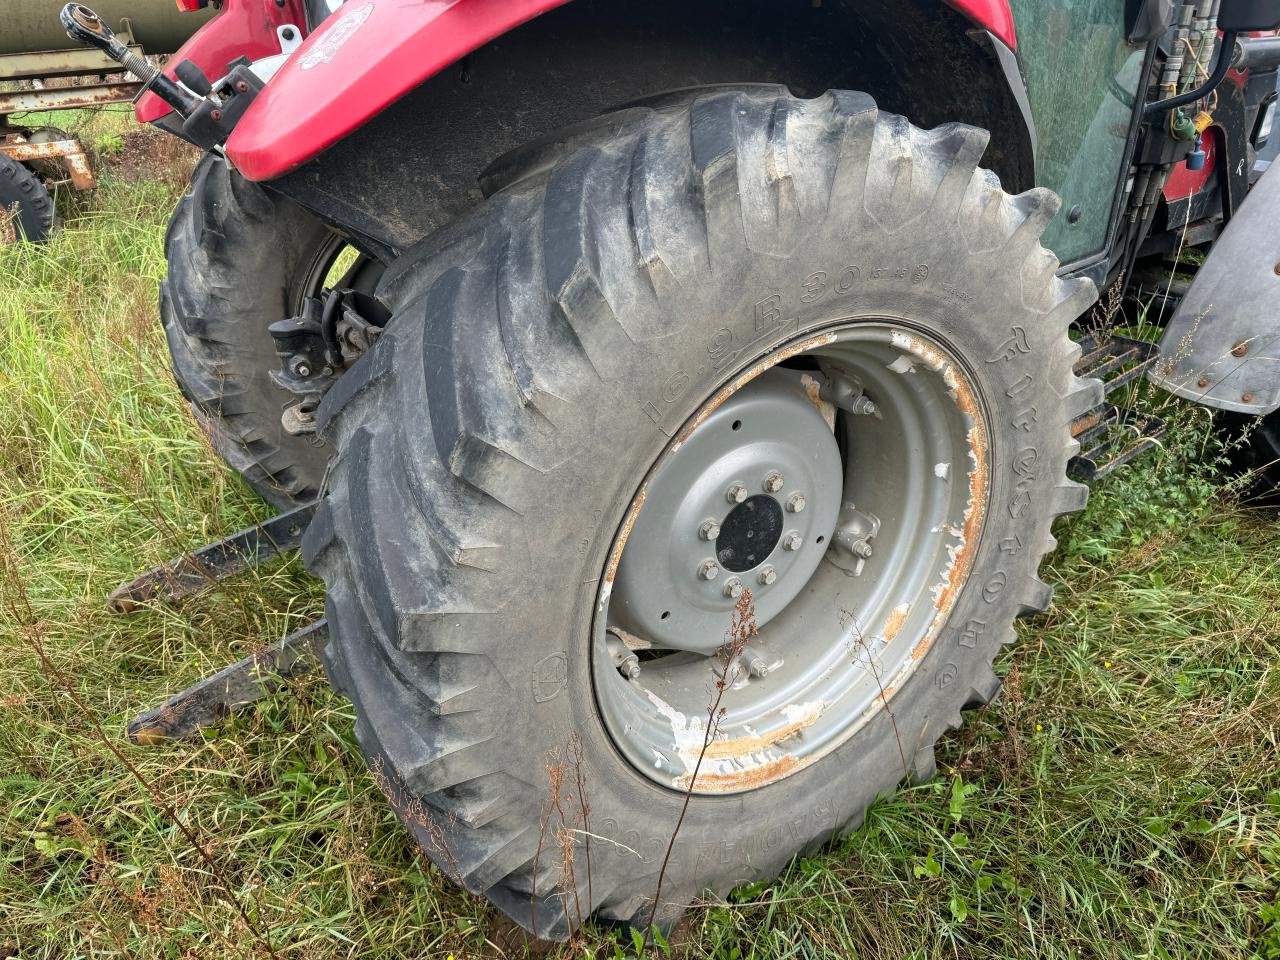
(758, 773)
(740, 381)
(723, 764)
(897, 617)
(962, 554)
(813, 390)
(624, 533)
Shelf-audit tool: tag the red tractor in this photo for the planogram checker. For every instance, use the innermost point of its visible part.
(686, 391)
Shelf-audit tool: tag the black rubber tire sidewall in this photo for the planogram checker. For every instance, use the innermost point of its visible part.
(36, 218)
(238, 258)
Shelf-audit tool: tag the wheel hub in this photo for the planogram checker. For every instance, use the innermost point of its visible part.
(750, 532)
(750, 499)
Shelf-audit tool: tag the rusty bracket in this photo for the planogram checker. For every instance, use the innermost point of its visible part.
(193, 572)
(213, 699)
(70, 152)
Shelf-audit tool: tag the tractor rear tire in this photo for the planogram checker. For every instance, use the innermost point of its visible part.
(21, 192)
(240, 258)
(542, 359)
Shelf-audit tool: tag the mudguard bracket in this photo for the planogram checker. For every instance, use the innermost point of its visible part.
(1222, 346)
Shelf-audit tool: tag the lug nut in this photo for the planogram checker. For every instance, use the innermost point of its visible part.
(756, 665)
(709, 530)
(792, 541)
(630, 666)
(709, 570)
(862, 548)
(795, 503)
(736, 493)
(773, 483)
(767, 576)
(864, 406)
(733, 588)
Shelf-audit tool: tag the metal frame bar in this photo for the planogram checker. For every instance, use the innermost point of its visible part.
(214, 698)
(67, 98)
(77, 61)
(193, 572)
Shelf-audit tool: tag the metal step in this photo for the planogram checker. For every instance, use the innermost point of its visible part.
(1112, 428)
(1115, 360)
(1110, 434)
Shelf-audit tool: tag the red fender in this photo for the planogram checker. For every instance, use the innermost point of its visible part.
(372, 52)
(242, 28)
(993, 15)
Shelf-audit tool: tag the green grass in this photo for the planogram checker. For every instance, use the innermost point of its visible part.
(1122, 799)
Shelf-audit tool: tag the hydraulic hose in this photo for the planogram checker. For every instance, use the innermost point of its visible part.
(1226, 51)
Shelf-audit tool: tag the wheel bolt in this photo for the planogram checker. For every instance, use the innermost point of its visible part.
(630, 666)
(756, 665)
(709, 570)
(767, 576)
(709, 530)
(773, 483)
(862, 548)
(736, 493)
(733, 588)
(792, 541)
(795, 503)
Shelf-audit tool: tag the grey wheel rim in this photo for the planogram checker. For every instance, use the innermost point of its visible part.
(842, 480)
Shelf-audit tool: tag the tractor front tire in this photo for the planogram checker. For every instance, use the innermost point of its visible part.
(240, 258)
(559, 360)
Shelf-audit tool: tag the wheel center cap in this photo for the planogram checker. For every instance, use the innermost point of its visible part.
(748, 500)
(749, 533)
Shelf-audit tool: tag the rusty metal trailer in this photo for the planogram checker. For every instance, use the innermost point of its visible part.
(42, 70)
